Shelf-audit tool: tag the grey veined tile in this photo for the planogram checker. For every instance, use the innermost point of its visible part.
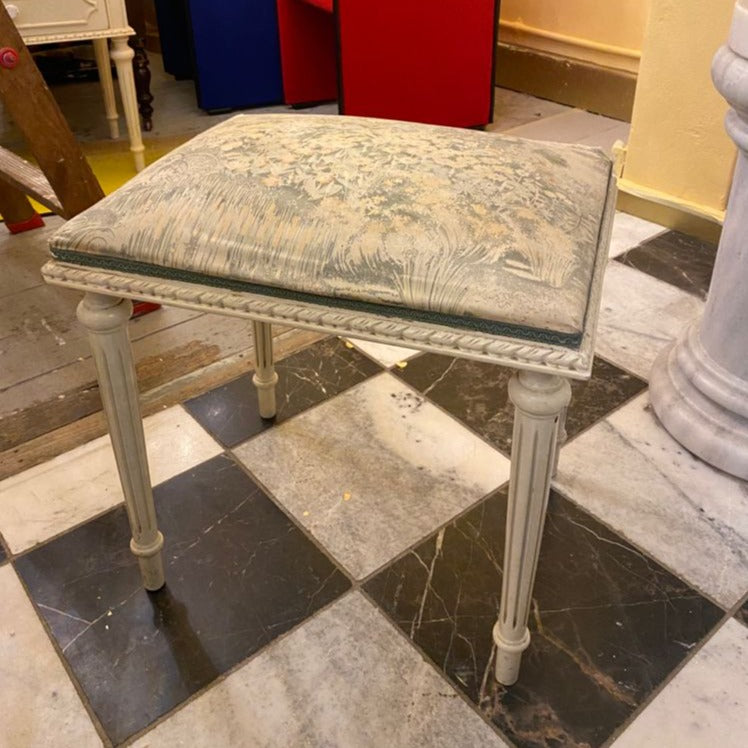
(374, 470)
(639, 316)
(572, 126)
(706, 704)
(345, 678)
(38, 702)
(630, 473)
(681, 260)
(53, 497)
(630, 231)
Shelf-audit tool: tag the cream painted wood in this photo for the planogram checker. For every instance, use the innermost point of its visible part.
(101, 50)
(122, 55)
(540, 391)
(264, 377)
(34, 17)
(105, 319)
(575, 363)
(539, 400)
(51, 21)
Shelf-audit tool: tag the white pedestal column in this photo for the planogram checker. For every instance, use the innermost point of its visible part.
(699, 386)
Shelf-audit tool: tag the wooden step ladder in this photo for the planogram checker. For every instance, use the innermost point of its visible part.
(63, 180)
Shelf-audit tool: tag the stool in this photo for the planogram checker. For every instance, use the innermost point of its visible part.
(471, 244)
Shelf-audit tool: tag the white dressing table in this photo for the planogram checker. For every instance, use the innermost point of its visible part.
(48, 21)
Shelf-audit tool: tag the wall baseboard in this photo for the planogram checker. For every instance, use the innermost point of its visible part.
(519, 34)
(576, 83)
(670, 216)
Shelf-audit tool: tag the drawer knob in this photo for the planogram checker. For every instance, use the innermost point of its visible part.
(8, 57)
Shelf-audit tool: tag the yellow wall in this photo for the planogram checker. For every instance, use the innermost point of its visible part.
(603, 32)
(678, 152)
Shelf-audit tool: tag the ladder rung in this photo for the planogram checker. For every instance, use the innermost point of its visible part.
(29, 179)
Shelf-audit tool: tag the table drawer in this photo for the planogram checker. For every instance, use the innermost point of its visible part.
(42, 17)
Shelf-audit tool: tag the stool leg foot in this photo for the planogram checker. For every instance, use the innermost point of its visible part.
(539, 401)
(264, 377)
(105, 319)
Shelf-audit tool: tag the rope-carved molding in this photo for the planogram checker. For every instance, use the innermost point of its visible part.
(498, 350)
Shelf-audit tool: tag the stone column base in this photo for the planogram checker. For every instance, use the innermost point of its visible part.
(702, 405)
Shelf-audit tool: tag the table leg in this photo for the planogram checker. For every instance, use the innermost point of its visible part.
(141, 65)
(101, 51)
(122, 55)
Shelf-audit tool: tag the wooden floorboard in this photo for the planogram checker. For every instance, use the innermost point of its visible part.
(47, 378)
(81, 419)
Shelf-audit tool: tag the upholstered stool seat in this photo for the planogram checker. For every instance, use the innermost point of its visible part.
(448, 226)
(457, 241)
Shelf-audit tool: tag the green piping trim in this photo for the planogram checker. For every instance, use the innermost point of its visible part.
(476, 324)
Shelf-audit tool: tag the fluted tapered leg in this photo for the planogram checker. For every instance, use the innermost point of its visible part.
(539, 402)
(264, 377)
(105, 319)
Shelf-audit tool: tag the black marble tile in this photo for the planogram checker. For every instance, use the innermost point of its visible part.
(305, 378)
(476, 393)
(742, 614)
(239, 574)
(608, 624)
(678, 259)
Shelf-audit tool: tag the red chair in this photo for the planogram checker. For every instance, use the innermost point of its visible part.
(308, 51)
(419, 60)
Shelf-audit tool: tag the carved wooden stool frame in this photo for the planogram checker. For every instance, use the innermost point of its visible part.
(539, 390)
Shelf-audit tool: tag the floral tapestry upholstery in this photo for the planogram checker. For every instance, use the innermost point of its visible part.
(471, 229)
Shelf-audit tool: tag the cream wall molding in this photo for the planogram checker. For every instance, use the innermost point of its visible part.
(671, 201)
(566, 45)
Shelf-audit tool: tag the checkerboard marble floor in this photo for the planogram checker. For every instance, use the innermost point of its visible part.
(333, 577)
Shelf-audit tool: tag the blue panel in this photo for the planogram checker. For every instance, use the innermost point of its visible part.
(237, 53)
(174, 33)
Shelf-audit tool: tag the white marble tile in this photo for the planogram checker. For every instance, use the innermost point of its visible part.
(345, 678)
(608, 137)
(39, 705)
(387, 355)
(628, 471)
(513, 109)
(56, 495)
(639, 316)
(630, 231)
(374, 470)
(705, 705)
(573, 126)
